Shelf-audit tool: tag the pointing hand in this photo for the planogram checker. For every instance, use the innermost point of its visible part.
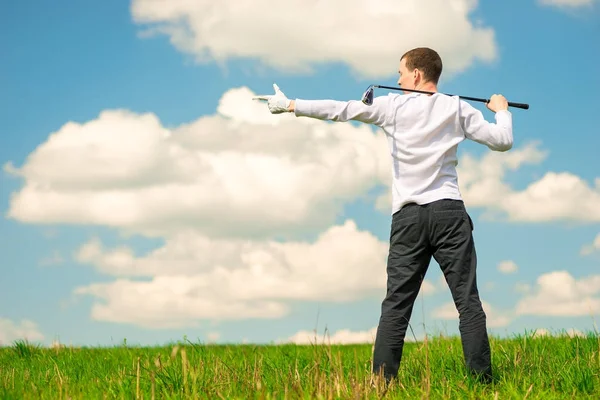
(278, 103)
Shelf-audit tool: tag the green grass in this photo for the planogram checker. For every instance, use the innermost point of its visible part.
(548, 367)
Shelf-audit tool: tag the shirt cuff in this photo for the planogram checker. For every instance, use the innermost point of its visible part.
(301, 108)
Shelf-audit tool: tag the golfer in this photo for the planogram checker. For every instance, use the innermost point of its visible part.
(429, 218)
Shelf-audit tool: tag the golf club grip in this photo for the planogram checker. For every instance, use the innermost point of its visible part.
(510, 103)
(519, 105)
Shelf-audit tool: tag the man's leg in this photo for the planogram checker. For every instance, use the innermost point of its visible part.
(454, 250)
(408, 259)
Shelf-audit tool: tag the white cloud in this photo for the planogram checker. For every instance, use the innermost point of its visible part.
(217, 190)
(554, 197)
(290, 38)
(541, 332)
(567, 3)
(212, 337)
(494, 317)
(427, 287)
(550, 198)
(555, 294)
(442, 282)
(384, 201)
(588, 249)
(572, 332)
(508, 267)
(342, 336)
(558, 293)
(193, 277)
(23, 330)
(483, 185)
(242, 172)
(171, 302)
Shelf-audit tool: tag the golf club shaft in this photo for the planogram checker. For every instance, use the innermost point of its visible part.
(511, 104)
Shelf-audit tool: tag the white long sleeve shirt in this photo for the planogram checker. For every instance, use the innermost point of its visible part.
(423, 134)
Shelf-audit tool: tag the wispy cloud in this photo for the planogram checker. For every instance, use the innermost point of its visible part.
(19, 330)
(564, 4)
(508, 267)
(593, 247)
(55, 258)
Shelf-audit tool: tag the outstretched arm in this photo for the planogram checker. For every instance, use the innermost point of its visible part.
(332, 110)
(342, 111)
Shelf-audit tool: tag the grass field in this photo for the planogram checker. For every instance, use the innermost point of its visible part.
(545, 367)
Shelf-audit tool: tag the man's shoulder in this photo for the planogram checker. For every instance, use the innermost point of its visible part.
(401, 98)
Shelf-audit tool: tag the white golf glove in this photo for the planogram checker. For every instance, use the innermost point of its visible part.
(278, 103)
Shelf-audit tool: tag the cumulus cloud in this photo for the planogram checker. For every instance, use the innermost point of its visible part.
(588, 249)
(428, 287)
(194, 277)
(542, 332)
(168, 302)
(217, 191)
(494, 317)
(571, 332)
(212, 337)
(342, 336)
(555, 294)
(23, 330)
(550, 198)
(556, 196)
(483, 184)
(507, 267)
(291, 39)
(241, 172)
(558, 293)
(247, 173)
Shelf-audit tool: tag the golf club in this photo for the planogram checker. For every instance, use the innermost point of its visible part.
(367, 97)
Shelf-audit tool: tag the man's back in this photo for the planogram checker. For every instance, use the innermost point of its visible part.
(423, 135)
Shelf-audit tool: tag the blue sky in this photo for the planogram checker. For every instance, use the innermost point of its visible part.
(70, 62)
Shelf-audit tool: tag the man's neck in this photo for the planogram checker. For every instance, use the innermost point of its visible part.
(427, 87)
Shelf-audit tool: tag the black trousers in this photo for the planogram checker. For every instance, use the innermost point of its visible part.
(443, 230)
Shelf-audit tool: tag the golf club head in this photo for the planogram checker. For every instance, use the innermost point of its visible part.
(367, 97)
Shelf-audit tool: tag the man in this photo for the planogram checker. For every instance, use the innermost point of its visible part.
(429, 218)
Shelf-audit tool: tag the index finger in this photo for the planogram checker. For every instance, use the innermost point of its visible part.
(266, 98)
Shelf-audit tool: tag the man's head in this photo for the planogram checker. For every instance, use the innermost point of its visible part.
(420, 68)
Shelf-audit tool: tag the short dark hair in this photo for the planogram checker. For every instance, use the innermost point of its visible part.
(425, 59)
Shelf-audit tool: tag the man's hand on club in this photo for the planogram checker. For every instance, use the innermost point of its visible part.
(278, 103)
(497, 102)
